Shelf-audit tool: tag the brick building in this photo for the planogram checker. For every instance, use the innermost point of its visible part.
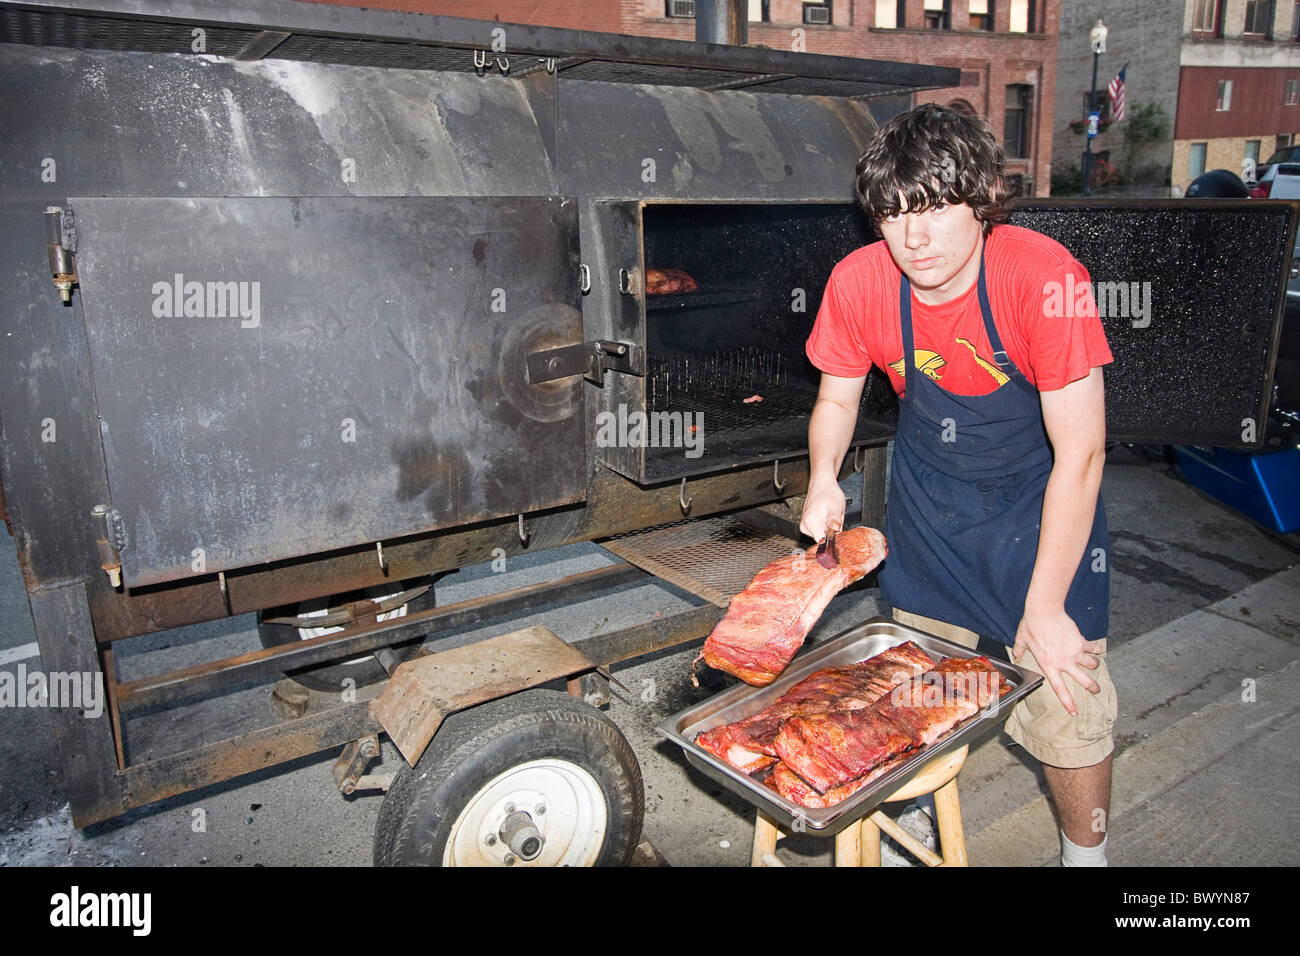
(1226, 72)
(1005, 49)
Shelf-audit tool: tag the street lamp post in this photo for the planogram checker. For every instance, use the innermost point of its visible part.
(1091, 115)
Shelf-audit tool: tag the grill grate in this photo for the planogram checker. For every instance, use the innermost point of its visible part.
(714, 558)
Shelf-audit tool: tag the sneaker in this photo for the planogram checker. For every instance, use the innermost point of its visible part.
(918, 824)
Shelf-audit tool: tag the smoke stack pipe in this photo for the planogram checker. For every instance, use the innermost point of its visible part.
(722, 21)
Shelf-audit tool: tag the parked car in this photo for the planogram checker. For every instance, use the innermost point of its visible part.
(1279, 177)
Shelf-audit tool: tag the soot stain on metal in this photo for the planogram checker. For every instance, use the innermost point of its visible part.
(425, 469)
(480, 251)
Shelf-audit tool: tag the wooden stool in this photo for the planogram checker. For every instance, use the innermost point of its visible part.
(858, 844)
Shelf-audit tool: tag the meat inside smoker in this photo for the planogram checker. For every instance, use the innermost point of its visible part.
(748, 744)
(667, 281)
(766, 623)
(831, 749)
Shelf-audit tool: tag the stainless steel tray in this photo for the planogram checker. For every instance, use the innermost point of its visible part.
(857, 644)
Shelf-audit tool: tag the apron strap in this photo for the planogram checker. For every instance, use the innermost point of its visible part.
(991, 329)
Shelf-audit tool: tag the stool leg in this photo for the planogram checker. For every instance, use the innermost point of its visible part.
(870, 843)
(848, 846)
(765, 834)
(952, 838)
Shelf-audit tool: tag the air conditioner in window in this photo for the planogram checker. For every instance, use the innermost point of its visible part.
(681, 8)
(816, 13)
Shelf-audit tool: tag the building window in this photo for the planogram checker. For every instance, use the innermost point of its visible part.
(1292, 95)
(1250, 160)
(1206, 17)
(759, 11)
(1022, 16)
(1259, 18)
(1016, 129)
(889, 14)
(819, 13)
(1223, 99)
(679, 8)
(1196, 160)
(981, 14)
(1295, 23)
(938, 15)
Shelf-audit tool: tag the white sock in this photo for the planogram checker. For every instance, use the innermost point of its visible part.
(1074, 855)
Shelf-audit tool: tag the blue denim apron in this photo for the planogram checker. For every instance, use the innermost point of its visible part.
(966, 500)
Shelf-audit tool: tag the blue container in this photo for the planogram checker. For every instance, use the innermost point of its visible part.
(1264, 486)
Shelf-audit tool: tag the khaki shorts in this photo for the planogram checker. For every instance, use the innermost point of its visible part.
(1040, 723)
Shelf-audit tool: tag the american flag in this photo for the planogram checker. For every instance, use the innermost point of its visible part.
(1116, 91)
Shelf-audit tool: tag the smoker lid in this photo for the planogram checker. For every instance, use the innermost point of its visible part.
(325, 33)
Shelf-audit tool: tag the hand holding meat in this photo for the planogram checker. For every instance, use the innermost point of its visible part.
(766, 623)
(823, 504)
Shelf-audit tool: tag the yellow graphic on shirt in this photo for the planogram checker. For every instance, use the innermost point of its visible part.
(998, 375)
(932, 364)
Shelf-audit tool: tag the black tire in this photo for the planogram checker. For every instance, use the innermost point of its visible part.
(474, 747)
(363, 670)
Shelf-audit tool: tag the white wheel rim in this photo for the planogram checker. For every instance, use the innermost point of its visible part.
(564, 801)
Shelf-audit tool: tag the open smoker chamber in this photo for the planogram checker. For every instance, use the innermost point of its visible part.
(761, 269)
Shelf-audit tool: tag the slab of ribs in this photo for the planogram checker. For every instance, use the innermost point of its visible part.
(766, 623)
(668, 281)
(841, 728)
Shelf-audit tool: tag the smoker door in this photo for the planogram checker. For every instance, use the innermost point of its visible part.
(284, 376)
(1191, 294)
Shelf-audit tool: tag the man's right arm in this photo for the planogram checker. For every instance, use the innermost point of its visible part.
(829, 433)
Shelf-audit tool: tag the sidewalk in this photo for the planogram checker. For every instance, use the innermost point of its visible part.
(1207, 767)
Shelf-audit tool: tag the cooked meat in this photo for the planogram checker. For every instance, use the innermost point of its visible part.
(766, 623)
(830, 749)
(666, 281)
(789, 785)
(931, 704)
(748, 744)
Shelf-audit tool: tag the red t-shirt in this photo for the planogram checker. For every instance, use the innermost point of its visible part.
(1042, 303)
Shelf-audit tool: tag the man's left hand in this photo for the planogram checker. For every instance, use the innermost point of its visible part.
(1058, 648)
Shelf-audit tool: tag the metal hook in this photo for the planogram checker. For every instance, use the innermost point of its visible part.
(383, 563)
(776, 476)
(585, 272)
(858, 457)
(480, 59)
(503, 64)
(683, 500)
(550, 64)
(225, 592)
(523, 535)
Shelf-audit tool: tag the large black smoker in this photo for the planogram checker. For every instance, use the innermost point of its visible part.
(304, 305)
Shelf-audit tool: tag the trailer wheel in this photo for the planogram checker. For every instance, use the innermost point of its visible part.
(534, 779)
(363, 670)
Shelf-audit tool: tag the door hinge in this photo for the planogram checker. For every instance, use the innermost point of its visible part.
(61, 245)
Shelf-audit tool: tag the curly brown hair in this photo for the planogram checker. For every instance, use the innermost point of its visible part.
(934, 155)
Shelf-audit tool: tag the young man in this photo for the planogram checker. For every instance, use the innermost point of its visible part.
(994, 519)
